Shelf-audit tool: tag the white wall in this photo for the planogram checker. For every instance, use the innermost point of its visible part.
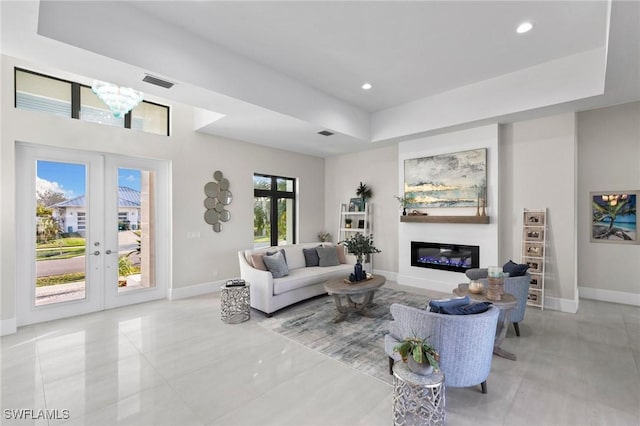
(378, 169)
(198, 263)
(485, 236)
(609, 160)
(538, 170)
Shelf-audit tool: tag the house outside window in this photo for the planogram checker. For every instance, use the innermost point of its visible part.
(274, 210)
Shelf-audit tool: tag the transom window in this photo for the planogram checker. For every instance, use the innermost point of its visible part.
(39, 92)
(274, 210)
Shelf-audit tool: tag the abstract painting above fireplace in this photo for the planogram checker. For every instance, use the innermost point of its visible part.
(444, 256)
(457, 179)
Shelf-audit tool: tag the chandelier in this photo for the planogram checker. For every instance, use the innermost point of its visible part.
(120, 100)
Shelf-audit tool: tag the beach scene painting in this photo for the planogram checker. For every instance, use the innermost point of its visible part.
(614, 217)
(458, 179)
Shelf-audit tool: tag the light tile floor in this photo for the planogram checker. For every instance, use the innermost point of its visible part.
(176, 363)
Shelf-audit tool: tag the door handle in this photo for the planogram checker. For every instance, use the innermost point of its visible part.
(108, 252)
(96, 253)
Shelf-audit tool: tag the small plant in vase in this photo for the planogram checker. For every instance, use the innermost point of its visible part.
(359, 245)
(324, 236)
(404, 200)
(347, 222)
(421, 356)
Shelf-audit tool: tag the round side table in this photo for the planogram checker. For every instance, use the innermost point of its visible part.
(235, 304)
(417, 400)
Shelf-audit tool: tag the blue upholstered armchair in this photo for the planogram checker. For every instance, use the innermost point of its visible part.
(517, 286)
(464, 342)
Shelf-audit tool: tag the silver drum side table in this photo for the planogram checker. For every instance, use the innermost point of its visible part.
(417, 400)
(235, 305)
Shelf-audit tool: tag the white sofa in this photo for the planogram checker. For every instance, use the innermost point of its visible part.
(270, 294)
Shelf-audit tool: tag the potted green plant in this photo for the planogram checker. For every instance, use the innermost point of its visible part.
(125, 268)
(324, 236)
(359, 245)
(347, 222)
(422, 358)
(364, 192)
(404, 200)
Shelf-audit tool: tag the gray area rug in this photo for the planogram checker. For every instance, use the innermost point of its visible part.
(357, 341)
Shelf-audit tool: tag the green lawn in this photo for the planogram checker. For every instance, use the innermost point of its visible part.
(59, 253)
(60, 279)
(63, 242)
(70, 278)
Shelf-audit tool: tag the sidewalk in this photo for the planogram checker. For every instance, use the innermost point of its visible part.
(59, 293)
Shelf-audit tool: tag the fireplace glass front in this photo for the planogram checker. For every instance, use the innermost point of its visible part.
(448, 257)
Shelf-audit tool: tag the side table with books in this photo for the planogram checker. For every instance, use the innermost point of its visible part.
(235, 303)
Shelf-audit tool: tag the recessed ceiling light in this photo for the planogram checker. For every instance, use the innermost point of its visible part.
(366, 86)
(524, 27)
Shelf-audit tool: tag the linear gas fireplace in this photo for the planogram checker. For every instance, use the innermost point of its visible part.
(449, 257)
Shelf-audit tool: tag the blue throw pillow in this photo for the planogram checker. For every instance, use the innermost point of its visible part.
(473, 308)
(515, 269)
(437, 305)
(276, 264)
(311, 257)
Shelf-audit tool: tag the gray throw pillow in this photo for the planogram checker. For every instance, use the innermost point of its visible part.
(284, 254)
(328, 256)
(276, 264)
(311, 257)
(477, 273)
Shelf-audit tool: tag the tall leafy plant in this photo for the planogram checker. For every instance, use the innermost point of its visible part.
(364, 192)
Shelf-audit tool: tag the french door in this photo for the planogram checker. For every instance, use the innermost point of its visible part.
(88, 231)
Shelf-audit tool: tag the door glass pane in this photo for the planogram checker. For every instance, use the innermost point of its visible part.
(61, 223)
(261, 222)
(285, 221)
(136, 229)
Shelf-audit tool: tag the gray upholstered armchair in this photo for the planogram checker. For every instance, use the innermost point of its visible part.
(464, 342)
(517, 286)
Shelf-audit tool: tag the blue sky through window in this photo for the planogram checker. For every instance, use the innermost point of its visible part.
(129, 178)
(67, 178)
(70, 178)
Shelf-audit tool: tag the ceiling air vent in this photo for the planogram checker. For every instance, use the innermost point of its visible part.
(157, 81)
(325, 133)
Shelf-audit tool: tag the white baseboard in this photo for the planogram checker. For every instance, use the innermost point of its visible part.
(195, 290)
(609, 296)
(390, 276)
(563, 305)
(8, 326)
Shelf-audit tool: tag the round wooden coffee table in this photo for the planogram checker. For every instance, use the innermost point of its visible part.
(363, 290)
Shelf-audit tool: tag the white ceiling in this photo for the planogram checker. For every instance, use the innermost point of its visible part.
(407, 50)
(281, 71)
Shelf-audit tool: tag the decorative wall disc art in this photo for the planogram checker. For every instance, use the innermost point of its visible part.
(218, 197)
